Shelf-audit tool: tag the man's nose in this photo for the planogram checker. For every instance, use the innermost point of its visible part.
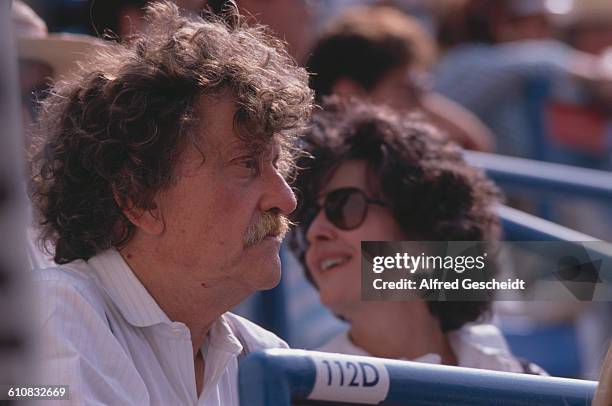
(279, 196)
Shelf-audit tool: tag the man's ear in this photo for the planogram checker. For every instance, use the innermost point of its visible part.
(345, 87)
(149, 220)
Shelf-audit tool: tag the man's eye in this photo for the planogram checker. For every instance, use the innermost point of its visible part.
(249, 163)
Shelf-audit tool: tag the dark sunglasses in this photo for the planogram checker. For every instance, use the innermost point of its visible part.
(345, 208)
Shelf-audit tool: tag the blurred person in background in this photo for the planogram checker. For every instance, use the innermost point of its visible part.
(494, 50)
(495, 22)
(291, 20)
(587, 26)
(160, 184)
(123, 18)
(375, 175)
(43, 58)
(381, 54)
(426, 11)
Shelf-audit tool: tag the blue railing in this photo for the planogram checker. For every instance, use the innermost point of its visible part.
(543, 177)
(520, 226)
(280, 377)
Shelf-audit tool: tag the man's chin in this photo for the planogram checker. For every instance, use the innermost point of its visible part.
(262, 273)
(273, 277)
(273, 281)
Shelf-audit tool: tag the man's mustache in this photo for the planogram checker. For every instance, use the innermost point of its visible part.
(269, 224)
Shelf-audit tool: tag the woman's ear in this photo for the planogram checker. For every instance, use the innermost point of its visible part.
(149, 220)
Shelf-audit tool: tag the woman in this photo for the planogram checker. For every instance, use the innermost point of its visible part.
(377, 176)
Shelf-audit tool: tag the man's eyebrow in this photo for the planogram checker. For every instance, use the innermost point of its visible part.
(265, 149)
(239, 147)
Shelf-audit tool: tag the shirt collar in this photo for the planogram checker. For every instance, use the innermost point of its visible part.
(222, 336)
(129, 295)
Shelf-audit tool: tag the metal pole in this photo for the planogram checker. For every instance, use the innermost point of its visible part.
(279, 377)
(543, 177)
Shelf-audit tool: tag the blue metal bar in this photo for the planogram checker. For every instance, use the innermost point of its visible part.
(278, 377)
(521, 226)
(543, 177)
(268, 378)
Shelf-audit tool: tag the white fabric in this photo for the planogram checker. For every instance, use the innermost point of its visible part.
(37, 257)
(475, 345)
(105, 336)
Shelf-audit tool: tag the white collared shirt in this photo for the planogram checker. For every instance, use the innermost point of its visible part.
(105, 336)
(479, 346)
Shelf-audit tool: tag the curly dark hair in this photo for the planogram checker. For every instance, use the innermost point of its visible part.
(112, 134)
(433, 193)
(366, 43)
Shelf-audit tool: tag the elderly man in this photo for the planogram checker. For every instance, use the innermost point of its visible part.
(161, 186)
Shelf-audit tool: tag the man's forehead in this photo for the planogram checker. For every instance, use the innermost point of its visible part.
(221, 131)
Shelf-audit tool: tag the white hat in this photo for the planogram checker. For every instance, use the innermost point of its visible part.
(60, 51)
